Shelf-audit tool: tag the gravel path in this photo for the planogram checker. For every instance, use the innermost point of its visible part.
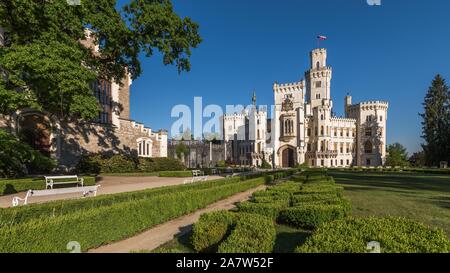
(163, 233)
(109, 185)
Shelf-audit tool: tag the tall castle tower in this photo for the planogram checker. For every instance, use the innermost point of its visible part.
(318, 78)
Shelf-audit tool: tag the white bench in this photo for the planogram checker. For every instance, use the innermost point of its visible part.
(62, 179)
(85, 190)
(195, 179)
(197, 173)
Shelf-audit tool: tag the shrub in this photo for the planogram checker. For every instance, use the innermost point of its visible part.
(311, 216)
(18, 158)
(17, 215)
(395, 235)
(271, 209)
(100, 225)
(175, 174)
(97, 163)
(210, 230)
(252, 234)
(302, 198)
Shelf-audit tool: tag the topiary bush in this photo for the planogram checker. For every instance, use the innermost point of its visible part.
(252, 233)
(395, 235)
(310, 216)
(271, 209)
(210, 230)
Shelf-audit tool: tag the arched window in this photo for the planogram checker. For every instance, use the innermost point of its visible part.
(318, 65)
(368, 148)
(322, 131)
(368, 131)
(145, 146)
(292, 126)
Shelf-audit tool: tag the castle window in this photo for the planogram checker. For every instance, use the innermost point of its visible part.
(368, 162)
(318, 65)
(348, 133)
(335, 131)
(318, 96)
(144, 147)
(309, 132)
(321, 117)
(368, 132)
(308, 148)
(341, 150)
(381, 118)
(342, 132)
(318, 84)
(368, 148)
(322, 131)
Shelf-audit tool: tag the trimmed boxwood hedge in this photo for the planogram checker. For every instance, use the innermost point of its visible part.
(17, 215)
(11, 186)
(395, 235)
(102, 225)
(311, 216)
(252, 233)
(211, 229)
(175, 174)
(271, 209)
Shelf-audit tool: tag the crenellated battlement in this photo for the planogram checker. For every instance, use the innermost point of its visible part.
(342, 119)
(367, 105)
(289, 87)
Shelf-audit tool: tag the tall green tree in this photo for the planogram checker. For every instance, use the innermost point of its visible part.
(397, 155)
(46, 66)
(436, 122)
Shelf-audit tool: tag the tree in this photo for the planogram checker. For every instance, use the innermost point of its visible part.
(417, 159)
(181, 150)
(397, 155)
(436, 123)
(47, 66)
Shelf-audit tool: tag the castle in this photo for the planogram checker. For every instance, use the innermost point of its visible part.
(112, 132)
(304, 129)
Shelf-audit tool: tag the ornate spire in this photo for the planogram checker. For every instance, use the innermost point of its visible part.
(254, 98)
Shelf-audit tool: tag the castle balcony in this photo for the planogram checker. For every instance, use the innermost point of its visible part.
(324, 154)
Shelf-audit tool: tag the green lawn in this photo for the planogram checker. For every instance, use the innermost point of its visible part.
(422, 197)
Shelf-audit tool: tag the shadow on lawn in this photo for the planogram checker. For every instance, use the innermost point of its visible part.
(394, 181)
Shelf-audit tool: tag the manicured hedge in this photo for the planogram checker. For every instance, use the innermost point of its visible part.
(175, 174)
(395, 235)
(17, 215)
(271, 209)
(311, 216)
(252, 234)
(99, 163)
(101, 225)
(211, 229)
(10, 186)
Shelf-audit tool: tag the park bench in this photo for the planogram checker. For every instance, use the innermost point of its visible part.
(196, 179)
(85, 190)
(62, 179)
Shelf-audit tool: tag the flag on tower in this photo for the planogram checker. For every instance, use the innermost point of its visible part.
(322, 38)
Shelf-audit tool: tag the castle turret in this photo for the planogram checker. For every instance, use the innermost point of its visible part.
(318, 78)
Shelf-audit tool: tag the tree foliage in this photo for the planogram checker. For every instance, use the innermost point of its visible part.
(48, 66)
(17, 158)
(436, 123)
(397, 155)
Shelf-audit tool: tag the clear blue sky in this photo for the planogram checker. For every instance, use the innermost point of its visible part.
(390, 52)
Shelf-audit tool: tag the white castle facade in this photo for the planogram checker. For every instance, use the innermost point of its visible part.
(303, 128)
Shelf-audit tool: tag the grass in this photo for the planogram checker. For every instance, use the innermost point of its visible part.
(421, 197)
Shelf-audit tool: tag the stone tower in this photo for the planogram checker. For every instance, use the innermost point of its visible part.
(318, 78)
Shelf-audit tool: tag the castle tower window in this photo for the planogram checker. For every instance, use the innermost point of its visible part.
(322, 131)
(368, 147)
(368, 132)
(309, 132)
(144, 147)
(318, 84)
(318, 65)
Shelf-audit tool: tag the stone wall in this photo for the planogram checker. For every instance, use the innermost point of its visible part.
(201, 154)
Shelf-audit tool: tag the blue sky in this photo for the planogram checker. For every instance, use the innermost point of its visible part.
(389, 52)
